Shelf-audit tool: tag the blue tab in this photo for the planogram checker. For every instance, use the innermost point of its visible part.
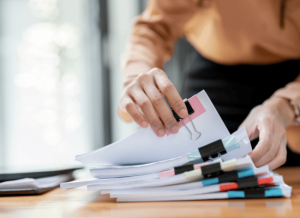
(195, 157)
(230, 143)
(236, 194)
(232, 147)
(207, 182)
(274, 192)
(246, 173)
(230, 140)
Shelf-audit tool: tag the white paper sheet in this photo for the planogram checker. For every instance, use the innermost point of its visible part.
(145, 147)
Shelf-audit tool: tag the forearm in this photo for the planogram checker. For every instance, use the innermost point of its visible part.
(154, 34)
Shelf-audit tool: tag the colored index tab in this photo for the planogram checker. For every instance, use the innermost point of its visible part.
(230, 143)
(229, 165)
(246, 173)
(195, 157)
(193, 175)
(274, 192)
(207, 182)
(227, 187)
(236, 194)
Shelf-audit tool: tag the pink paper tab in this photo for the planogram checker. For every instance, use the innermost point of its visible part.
(166, 173)
(198, 110)
(198, 166)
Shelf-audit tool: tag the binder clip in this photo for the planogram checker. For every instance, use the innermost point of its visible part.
(212, 150)
(190, 111)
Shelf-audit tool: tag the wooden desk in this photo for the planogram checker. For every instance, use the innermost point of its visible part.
(82, 203)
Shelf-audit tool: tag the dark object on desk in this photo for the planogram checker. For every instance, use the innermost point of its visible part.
(34, 180)
(8, 173)
(25, 191)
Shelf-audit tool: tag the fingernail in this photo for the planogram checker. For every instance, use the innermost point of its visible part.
(161, 132)
(144, 124)
(174, 129)
(183, 113)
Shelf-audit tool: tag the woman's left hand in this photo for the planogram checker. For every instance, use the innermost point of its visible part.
(269, 122)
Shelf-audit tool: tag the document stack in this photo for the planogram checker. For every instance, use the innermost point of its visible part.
(202, 161)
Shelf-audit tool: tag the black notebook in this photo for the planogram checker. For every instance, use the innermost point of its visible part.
(28, 180)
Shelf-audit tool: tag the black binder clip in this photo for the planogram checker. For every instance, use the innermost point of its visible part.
(212, 150)
(190, 111)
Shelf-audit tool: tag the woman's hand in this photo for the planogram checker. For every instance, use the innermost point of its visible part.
(269, 122)
(147, 91)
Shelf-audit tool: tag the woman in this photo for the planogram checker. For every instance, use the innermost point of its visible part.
(248, 62)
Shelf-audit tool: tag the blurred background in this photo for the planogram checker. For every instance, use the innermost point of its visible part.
(60, 76)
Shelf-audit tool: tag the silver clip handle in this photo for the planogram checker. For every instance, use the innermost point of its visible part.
(199, 133)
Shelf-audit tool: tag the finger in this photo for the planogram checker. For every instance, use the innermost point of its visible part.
(162, 108)
(128, 105)
(250, 123)
(146, 106)
(280, 157)
(260, 150)
(264, 144)
(251, 127)
(277, 139)
(170, 92)
(268, 156)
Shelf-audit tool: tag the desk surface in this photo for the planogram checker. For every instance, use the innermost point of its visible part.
(82, 203)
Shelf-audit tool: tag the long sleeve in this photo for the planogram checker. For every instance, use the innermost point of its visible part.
(156, 31)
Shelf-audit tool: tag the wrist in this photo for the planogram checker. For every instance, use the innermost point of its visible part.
(282, 109)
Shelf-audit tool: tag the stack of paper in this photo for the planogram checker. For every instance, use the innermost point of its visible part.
(144, 167)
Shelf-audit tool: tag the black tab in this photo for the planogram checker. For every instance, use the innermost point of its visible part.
(254, 193)
(247, 182)
(211, 170)
(178, 118)
(228, 177)
(183, 169)
(189, 109)
(212, 150)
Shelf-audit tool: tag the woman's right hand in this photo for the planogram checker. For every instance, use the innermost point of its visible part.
(147, 92)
